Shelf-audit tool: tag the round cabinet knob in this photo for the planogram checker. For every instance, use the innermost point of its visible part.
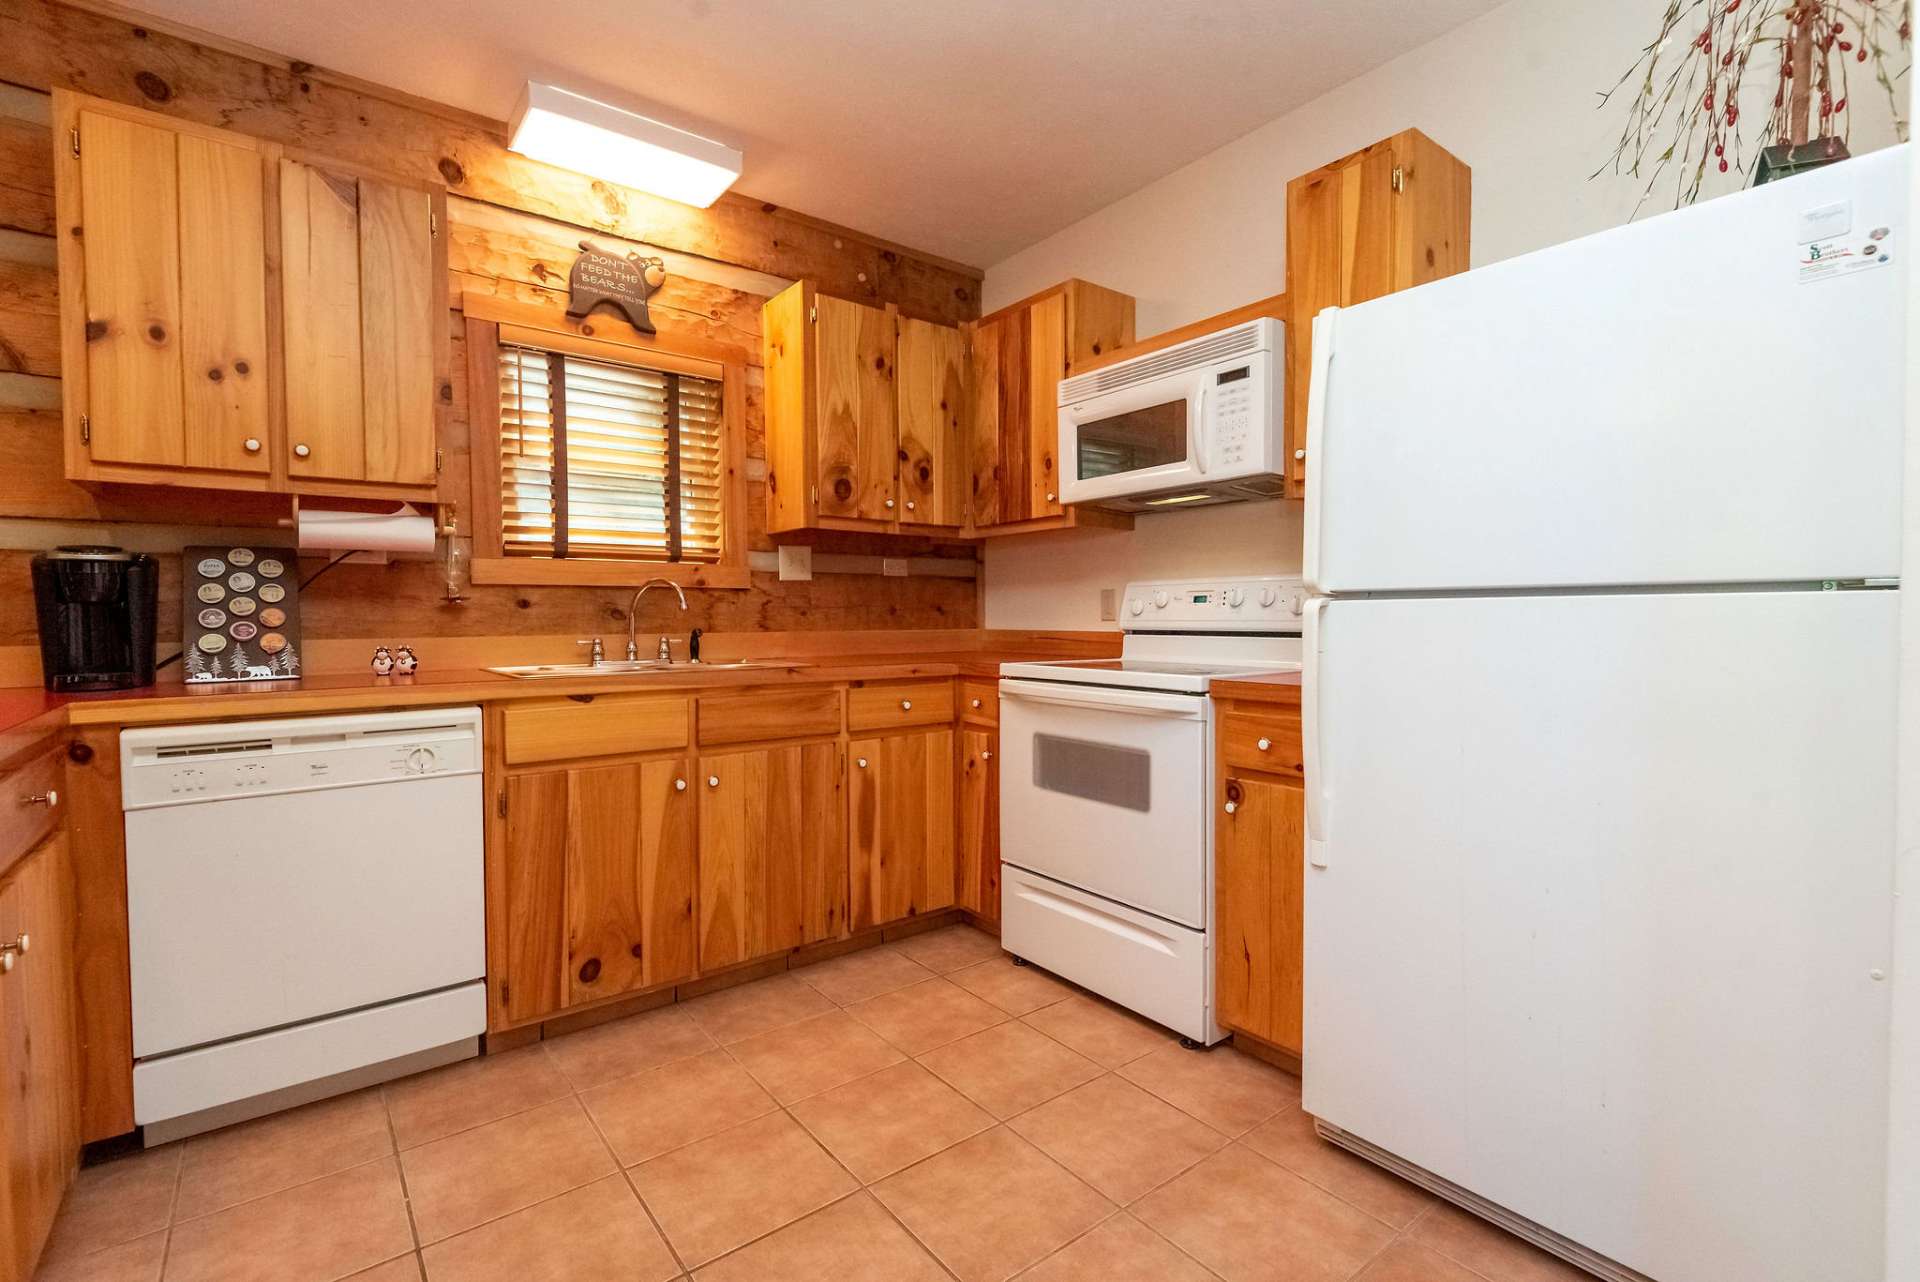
(976, 703)
(679, 785)
(909, 505)
(1136, 605)
(1232, 806)
(1159, 600)
(23, 944)
(1300, 454)
(1052, 497)
(1234, 598)
(713, 781)
(1264, 744)
(986, 756)
(906, 705)
(252, 444)
(890, 505)
(861, 762)
(50, 798)
(301, 451)
(6, 962)
(1266, 597)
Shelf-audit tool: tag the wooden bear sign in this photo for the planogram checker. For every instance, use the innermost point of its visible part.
(622, 283)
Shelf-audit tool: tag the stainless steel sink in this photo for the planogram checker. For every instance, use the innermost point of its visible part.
(627, 668)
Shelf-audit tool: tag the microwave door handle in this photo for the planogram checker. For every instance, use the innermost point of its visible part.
(1195, 455)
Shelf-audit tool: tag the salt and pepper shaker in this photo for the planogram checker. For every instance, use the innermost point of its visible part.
(404, 662)
(382, 661)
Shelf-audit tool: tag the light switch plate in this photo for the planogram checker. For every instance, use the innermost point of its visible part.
(1109, 604)
(796, 562)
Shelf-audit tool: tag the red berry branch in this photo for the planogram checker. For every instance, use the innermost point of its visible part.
(1689, 83)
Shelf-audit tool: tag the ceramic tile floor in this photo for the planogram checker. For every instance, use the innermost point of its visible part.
(925, 1110)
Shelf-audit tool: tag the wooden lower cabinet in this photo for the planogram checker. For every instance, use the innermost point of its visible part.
(901, 825)
(1260, 852)
(980, 822)
(773, 861)
(595, 886)
(39, 1052)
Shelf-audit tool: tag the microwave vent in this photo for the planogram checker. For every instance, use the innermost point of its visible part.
(1195, 353)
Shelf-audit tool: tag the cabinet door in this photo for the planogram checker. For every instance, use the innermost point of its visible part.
(38, 1047)
(773, 866)
(901, 814)
(174, 284)
(854, 411)
(980, 822)
(1046, 366)
(630, 878)
(1259, 911)
(362, 323)
(934, 424)
(984, 465)
(527, 909)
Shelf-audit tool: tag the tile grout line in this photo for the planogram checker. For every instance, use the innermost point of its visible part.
(173, 1203)
(626, 1175)
(400, 1168)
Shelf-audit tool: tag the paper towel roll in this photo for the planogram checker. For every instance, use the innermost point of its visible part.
(404, 531)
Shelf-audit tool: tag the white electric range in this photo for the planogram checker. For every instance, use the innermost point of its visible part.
(1106, 794)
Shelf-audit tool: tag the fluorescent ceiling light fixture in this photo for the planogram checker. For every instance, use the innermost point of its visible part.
(1171, 499)
(603, 141)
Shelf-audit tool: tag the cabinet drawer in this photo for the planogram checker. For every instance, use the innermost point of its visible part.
(1243, 735)
(902, 703)
(980, 701)
(744, 716)
(609, 725)
(23, 820)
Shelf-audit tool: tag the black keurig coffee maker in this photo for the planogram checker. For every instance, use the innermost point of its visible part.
(97, 607)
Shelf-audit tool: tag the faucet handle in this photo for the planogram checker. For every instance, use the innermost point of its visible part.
(599, 654)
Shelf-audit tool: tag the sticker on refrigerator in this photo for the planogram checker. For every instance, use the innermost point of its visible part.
(1861, 251)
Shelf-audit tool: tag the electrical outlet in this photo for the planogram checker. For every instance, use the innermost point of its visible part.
(894, 567)
(1109, 604)
(796, 562)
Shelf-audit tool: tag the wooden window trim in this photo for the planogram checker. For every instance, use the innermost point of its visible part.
(492, 321)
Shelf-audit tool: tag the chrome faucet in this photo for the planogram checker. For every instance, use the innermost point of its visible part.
(664, 655)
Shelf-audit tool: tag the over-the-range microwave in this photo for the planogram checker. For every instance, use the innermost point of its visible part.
(1188, 425)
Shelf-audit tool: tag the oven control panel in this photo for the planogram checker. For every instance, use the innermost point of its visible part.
(1260, 604)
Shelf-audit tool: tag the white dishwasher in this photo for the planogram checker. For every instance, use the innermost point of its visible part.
(305, 908)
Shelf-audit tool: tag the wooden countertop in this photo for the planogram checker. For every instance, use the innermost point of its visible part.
(26, 713)
(1269, 687)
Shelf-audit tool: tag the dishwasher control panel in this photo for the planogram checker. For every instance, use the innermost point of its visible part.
(173, 765)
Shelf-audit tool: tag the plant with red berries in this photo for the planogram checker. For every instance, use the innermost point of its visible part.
(1688, 82)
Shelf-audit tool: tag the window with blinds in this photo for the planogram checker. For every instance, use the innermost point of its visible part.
(607, 461)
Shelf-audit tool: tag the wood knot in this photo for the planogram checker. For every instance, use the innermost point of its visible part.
(446, 392)
(590, 970)
(158, 333)
(241, 367)
(215, 374)
(451, 170)
(96, 329)
(842, 489)
(152, 86)
(880, 362)
(638, 951)
(1429, 255)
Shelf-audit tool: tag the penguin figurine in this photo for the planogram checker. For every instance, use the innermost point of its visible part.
(382, 661)
(404, 664)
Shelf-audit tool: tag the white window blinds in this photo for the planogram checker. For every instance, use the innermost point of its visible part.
(607, 461)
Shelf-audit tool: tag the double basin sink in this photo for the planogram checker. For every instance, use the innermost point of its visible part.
(629, 668)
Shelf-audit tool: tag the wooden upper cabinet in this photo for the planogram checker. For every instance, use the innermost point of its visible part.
(233, 318)
(163, 275)
(1019, 355)
(364, 308)
(931, 379)
(1386, 218)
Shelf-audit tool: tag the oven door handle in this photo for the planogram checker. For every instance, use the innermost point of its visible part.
(1183, 707)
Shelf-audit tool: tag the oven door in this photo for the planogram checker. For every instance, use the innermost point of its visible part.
(1134, 440)
(1106, 790)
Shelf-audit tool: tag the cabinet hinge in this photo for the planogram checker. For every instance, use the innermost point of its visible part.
(433, 224)
(813, 315)
(813, 494)
(1399, 180)
(73, 139)
(86, 430)
(501, 804)
(439, 460)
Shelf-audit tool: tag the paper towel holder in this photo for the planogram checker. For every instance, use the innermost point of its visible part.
(442, 524)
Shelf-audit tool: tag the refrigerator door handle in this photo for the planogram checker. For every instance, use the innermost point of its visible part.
(1316, 434)
(1313, 635)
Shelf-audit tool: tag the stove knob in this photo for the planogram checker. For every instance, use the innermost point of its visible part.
(1234, 598)
(1159, 600)
(1266, 597)
(1136, 605)
(1299, 603)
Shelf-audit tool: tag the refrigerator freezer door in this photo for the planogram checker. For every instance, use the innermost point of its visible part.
(1688, 399)
(1604, 913)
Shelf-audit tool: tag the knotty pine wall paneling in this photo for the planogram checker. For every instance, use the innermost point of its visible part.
(515, 229)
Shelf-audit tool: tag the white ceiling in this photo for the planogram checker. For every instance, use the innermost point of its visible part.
(966, 128)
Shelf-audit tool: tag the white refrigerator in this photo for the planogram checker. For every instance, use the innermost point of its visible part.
(1604, 546)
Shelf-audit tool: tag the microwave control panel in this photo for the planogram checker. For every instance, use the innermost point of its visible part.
(1232, 416)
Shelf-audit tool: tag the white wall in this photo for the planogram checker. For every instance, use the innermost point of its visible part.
(1513, 94)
